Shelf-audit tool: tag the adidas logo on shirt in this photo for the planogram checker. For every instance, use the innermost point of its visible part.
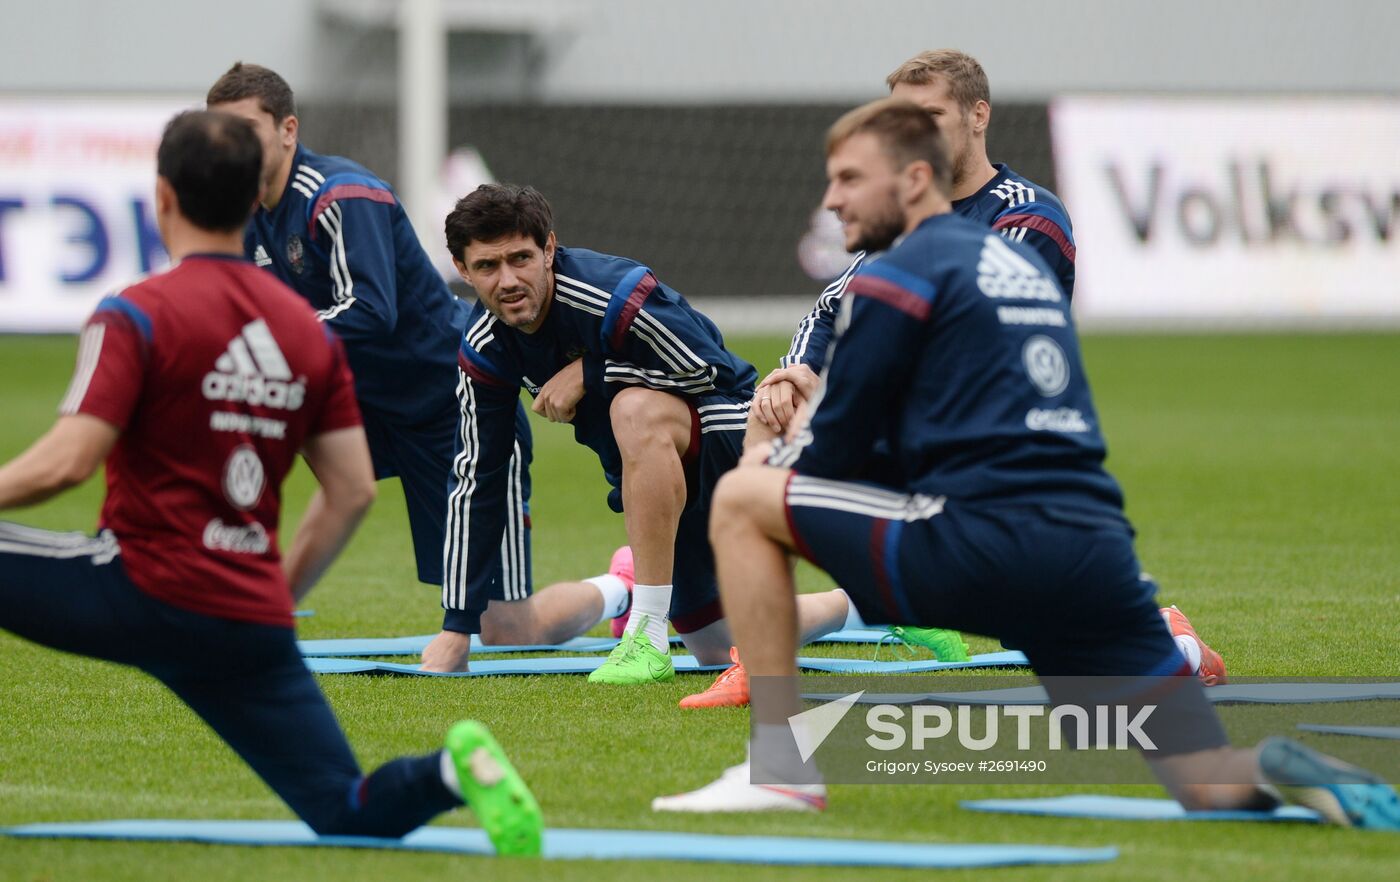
(1004, 274)
(254, 371)
(260, 256)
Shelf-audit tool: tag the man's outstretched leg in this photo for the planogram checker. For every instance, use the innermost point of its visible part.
(264, 703)
(250, 684)
(560, 612)
(555, 614)
(1278, 769)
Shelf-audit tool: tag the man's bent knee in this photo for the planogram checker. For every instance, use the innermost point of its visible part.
(640, 416)
(730, 499)
(749, 498)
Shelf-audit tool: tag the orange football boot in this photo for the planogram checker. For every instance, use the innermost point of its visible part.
(730, 689)
(1212, 671)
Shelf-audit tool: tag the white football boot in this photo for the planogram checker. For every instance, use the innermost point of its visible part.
(733, 792)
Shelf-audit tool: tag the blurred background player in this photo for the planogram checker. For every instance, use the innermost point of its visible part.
(953, 88)
(337, 235)
(648, 385)
(198, 386)
(959, 342)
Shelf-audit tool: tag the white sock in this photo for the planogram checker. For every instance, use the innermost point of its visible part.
(773, 752)
(615, 595)
(1191, 650)
(448, 770)
(853, 619)
(654, 602)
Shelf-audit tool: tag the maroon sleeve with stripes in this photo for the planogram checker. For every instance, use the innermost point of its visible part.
(107, 379)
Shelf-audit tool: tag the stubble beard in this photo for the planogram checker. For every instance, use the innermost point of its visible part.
(880, 231)
(962, 166)
(270, 172)
(519, 322)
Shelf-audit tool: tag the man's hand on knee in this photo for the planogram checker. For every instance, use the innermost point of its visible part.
(778, 399)
(802, 378)
(775, 405)
(448, 652)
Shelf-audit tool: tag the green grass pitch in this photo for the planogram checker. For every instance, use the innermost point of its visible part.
(1262, 472)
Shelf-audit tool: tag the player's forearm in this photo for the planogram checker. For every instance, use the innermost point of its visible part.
(41, 472)
(324, 530)
(21, 486)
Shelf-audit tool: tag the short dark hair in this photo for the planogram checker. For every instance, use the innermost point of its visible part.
(214, 163)
(495, 210)
(907, 134)
(967, 81)
(254, 81)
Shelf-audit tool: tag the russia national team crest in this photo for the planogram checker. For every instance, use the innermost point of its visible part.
(296, 253)
(1046, 365)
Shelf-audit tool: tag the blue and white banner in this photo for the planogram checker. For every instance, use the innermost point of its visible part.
(77, 215)
(1232, 211)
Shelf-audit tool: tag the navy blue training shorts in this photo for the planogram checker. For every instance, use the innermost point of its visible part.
(1063, 586)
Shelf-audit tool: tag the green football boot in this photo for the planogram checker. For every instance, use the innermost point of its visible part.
(1342, 793)
(946, 645)
(494, 790)
(634, 661)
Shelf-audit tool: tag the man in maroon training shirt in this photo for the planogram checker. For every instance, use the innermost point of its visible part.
(199, 386)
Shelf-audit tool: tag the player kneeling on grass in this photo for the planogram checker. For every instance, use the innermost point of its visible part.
(198, 386)
(648, 385)
(959, 351)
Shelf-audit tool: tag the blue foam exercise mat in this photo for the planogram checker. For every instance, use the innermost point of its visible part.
(684, 664)
(415, 646)
(1389, 733)
(1243, 693)
(857, 635)
(591, 844)
(490, 667)
(1128, 808)
(349, 647)
(864, 666)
